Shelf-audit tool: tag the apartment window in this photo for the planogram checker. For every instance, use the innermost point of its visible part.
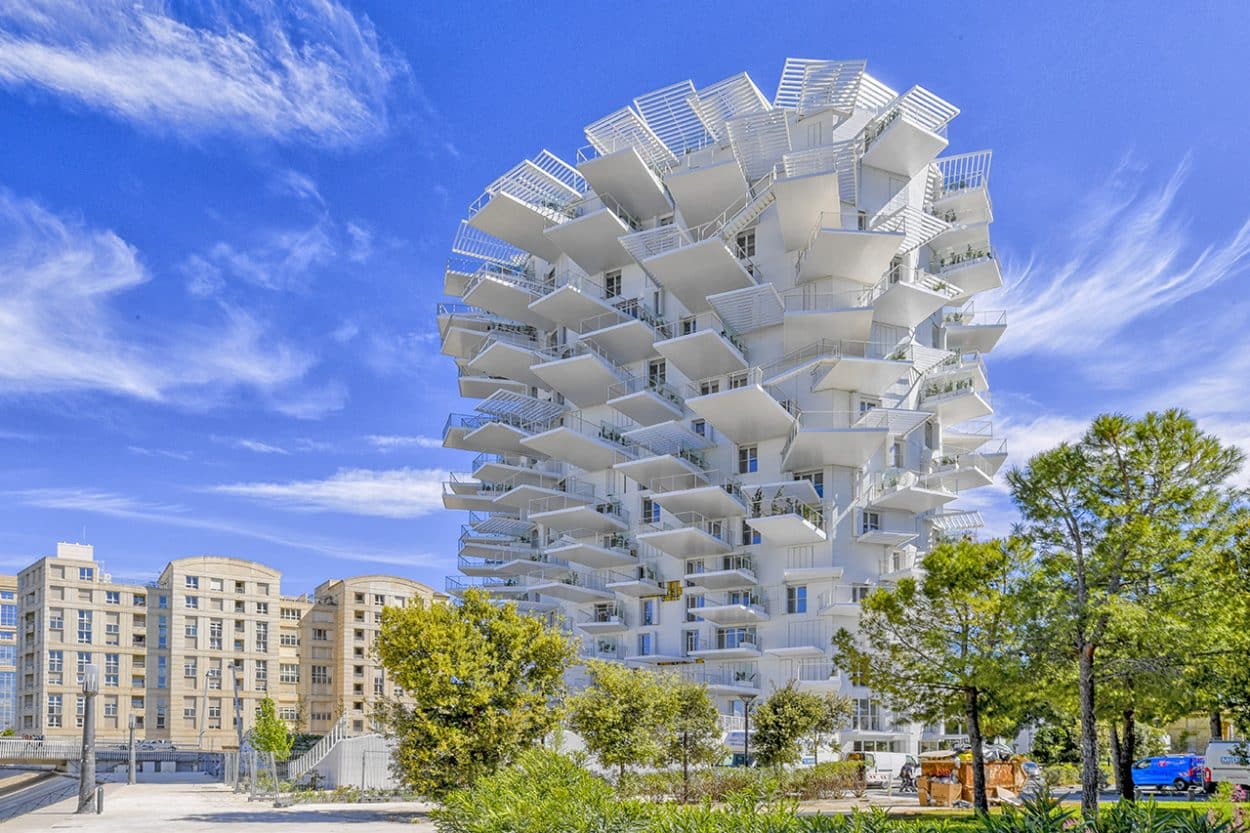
(291, 614)
(320, 635)
(650, 511)
(84, 659)
(869, 522)
(690, 641)
(189, 668)
(262, 608)
(56, 666)
(699, 426)
(750, 535)
(162, 710)
(240, 606)
(188, 708)
(709, 387)
(193, 582)
(84, 627)
(288, 713)
(191, 628)
(646, 644)
(867, 715)
(262, 589)
(112, 670)
(796, 599)
(738, 380)
(320, 675)
(860, 592)
(85, 596)
(289, 640)
(379, 599)
(240, 587)
(162, 631)
(745, 243)
(816, 478)
(694, 601)
(866, 404)
(748, 459)
(214, 634)
(612, 284)
(897, 455)
(162, 672)
(192, 602)
(140, 600)
(215, 584)
(214, 677)
(162, 602)
(262, 637)
(112, 632)
(136, 703)
(262, 675)
(56, 619)
(650, 612)
(112, 597)
(86, 574)
(288, 672)
(110, 707)
(55, 705)
(657, 372)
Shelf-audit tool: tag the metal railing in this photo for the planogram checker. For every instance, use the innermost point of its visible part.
(951, 385)
(804, 300)
(576, 349)
(949, 261)
(899, 274)
(626, 309)
(556, 503)
(718, 528)
(602, 430)
(779, 504)
(964, 172)
(719, 565)
(752, 599)
(13, 749)
(643, 382)
(971, 318)
(611, 614)
(300, 766)
(598, 202)
(703, 322)
(736, 677)
(814, 671)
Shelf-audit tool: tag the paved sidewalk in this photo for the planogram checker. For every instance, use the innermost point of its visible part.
(184, 808)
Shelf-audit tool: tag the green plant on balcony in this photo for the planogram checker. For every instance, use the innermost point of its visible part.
(779, 502)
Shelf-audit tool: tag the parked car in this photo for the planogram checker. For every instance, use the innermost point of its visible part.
(1228, 761)
(1170, 772)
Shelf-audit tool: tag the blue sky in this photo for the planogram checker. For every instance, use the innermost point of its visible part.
(223, 226)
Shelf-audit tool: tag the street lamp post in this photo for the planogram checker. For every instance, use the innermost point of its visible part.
(86, 768)
(746, 699)
(130, 779)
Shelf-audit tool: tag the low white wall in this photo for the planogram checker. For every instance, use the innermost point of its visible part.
(363, 762)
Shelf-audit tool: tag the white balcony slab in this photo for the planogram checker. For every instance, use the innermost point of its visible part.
(804, 327)
(519, 496)
(710, 501)
(887, 537)
(517, 222)
(799, 203)
(815, 447)
(861, 256)
(788, 530)
(583, 379)
(748, 414)
(703, 354)
(957, 406)
(962, 236)
(587, 452)
(647, 407)
(695, 271)
(807, 575)
(972, 276)
(627, 179)
(797, 651)
(980, 338)
(904, 147)
(915, 498)
(462, 342)
(606, 625)
(971, 204)
(637, 588)
(499, 471)
(569, 305)
(908, 304)
(578, 516)
(592, 555)
(657, 466)
(571, 592)
(481, 387)
(498, 437)
(852, 373)
(508, 360)
(507, 298)
(742, 651)
(591, 241)
(686, 541)
(703, 193)
(626, 339)
(736, 613)
(723, 579)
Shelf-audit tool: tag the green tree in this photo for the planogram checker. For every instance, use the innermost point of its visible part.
(1114, 520)
(625, 715)
(946, 645)
(835, 715)
(694, 736)
(270, 734)
(483, 682)
(783, 721)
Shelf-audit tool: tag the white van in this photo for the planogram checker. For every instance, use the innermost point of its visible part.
(1229, 762)
(881, 768)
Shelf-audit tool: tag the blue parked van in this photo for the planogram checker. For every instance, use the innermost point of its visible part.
(1170, 772)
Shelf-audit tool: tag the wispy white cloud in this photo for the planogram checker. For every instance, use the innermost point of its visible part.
(392, 442)
(278, 260)
(61, 329)
(361, 242)
(393, 493)
(313, 73)
(260, 447)
(1131, 254)
(158, 452)
(116, 505)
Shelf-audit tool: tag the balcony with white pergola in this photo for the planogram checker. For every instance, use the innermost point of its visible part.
(741, 407)
(909, 133)
(523, 203)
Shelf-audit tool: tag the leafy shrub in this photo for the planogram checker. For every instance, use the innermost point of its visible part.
(542, 792)
(822, 781)
(1061, 775)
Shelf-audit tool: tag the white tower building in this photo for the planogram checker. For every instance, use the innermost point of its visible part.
(729, 375)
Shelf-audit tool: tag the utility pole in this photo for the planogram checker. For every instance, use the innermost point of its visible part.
(746, 728)
(131, 776)
(208, 674)
(238, 716)
(86, 769)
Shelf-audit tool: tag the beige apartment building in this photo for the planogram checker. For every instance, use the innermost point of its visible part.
(210, 636)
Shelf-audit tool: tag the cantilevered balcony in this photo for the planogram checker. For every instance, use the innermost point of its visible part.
(574, 586)
(849, 245)
(736, 607)
(457, 274)
(595, 550)
(708, 493)
(961, 184)
(974, 331)
(836, 438)
(521, 563)
(804, 638)
(729, 644)
(724, 573)
(590, 446)
(506, 292)
(972, 270)
(812, 316)
(687, 535)
(507, 354)
(909, 296)
(731, 681)
(568, 297)
(688, 265)
(817, 675)
(565, 513)
(603, 618)
(964, 232)
(502, 468)
(957, 397)
(489, 527)
(520, 492)
(591, 235)
(783, 519)
(701, 346)
(886, 528)
(842, 601)
(905, 491)
(480, 386)
(461, 328)
(814, 180)
(521, 205)
(462, 492)
(899, 564)
(674, 463)
(864, 366)
(621, 172)
(646, 399)
(710, 179)
(474, 542)
(909, 134)
(804, 566)
(970, 469)
(967, 436)
(485, 432)
(626, 332)
(511, 587)
(637, 582)
(741, 407)
(581, 371)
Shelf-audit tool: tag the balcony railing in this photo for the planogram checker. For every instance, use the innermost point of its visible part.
(604, 615)
(625, 309)
(752, 599)
(736, 677)
(970, 318)
(899, 274)
(718, 528)
(947, 262)
(950, 386)
(760, 505)
(597, 202)
(710, 478)
(965, 172)
(602, 430)
(643, 382)
(803, 300)
(721, 564)
(580, 348)
(703, 322)
(609, 506)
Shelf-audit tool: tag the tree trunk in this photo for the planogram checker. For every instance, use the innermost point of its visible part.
(1089, 735)
(1113, 732)
(685, 768)
(1128, 752)
(1217, 725)
(973, 714)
